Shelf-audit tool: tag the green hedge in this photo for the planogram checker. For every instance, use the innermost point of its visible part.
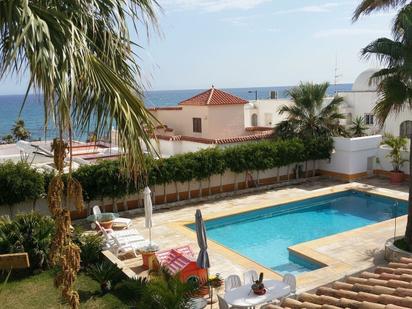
(105, 178)
(19, 182)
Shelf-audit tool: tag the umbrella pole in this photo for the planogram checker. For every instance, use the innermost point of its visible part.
(210, 289)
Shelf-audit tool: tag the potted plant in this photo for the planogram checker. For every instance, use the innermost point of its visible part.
(258, 287)
(397, 145)
(148, 256)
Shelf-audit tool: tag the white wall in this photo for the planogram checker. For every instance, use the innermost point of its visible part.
(267, 112)
(351, 154)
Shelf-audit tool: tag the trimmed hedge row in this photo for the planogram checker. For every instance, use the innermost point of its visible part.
(105, 180)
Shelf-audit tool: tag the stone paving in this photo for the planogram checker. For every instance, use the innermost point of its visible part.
(344, 253)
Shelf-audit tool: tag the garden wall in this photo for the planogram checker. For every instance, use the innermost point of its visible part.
(230, 183)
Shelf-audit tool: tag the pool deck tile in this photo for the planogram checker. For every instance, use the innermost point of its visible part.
(345, 253)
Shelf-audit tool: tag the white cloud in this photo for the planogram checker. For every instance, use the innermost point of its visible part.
(211, 5)
(339, 32)
(321, 8)
(239, 20)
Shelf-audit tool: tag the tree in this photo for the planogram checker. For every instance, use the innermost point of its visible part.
(19, 130)
(8, 139)
(358, 127)
(369, 6)
(79, 55)
(309, 116)
(394, 81)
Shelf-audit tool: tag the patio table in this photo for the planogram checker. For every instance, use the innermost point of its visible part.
(105, 216)
(243, 296)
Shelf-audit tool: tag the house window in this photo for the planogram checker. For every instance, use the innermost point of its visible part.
(369, 119)
(197, 125)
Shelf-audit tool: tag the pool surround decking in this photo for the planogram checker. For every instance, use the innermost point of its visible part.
(316, 250)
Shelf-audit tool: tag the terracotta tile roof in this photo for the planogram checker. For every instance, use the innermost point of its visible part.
(213, 96)
(253, 129)
(388, 287)
(217, 141)
(165, 108)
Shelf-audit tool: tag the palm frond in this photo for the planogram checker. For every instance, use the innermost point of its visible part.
(368, 6)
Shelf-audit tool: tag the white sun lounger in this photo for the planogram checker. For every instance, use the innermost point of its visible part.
(125, 241)
(123, 222)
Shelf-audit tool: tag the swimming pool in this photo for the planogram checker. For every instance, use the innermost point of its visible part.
(264, 235)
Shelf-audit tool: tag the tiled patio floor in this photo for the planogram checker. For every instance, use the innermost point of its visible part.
(346, 253)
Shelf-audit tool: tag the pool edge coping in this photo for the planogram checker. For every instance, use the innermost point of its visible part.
(302, 249)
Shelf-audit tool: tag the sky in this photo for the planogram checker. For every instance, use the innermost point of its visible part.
(252, 43)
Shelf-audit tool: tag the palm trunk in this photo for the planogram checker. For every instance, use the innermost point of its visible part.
(306, 169)
(314, 168)
(221, 183)
(247, 179)
(164, 194)
(189, 194)
(408, 232)
(288, 172)
(257, 178)
(114, 205)
(177, 192)
(125, 207)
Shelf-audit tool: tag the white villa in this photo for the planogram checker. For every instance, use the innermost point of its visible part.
(216, 118)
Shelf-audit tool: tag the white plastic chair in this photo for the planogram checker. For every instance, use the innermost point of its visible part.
(224, 305)
(232, 282)
(250, 276)
(124, 222)
(291, 281)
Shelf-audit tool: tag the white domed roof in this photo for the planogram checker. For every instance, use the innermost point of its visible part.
(362, 81)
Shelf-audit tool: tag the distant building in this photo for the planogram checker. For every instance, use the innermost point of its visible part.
(216, 118)
(361, 100)
(209, 119)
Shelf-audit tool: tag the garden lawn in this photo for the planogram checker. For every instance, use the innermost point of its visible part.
(37, 291)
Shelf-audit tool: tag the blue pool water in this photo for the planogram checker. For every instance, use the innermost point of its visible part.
(264, 235)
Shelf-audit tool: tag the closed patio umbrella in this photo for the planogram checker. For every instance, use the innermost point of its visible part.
(203, 257)
(148, 209)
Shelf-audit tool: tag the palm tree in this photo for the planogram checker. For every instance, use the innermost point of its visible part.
(395, 81)
(309, 116)
(19, 130)
(79, 55)
(368, 6)
(358, 127)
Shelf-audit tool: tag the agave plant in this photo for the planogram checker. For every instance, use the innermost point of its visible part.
(358, 128)
(106, 273)
(166, 291)
(31, 233)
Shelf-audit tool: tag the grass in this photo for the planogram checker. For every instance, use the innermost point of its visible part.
(37, 291)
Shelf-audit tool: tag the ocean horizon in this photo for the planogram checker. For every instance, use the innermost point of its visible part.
(33, 113)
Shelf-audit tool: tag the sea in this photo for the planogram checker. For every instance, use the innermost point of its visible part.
(33, 112)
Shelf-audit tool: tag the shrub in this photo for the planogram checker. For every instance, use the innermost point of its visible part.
(19, 182)
(106, 273)
(31, 233)
(90, 245)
